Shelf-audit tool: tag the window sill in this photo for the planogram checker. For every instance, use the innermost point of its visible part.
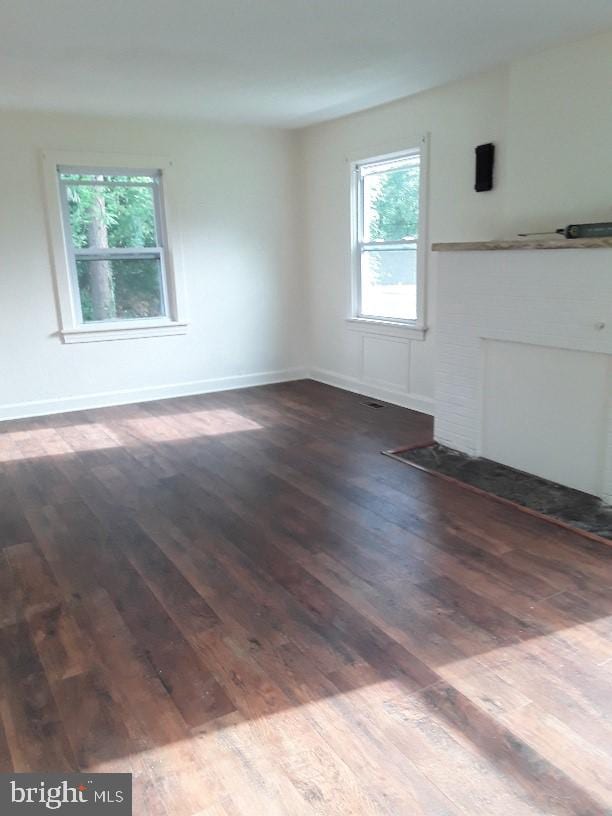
(114, 331)
(388, 328)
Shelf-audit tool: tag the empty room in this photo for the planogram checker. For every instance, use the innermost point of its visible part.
(306, 407)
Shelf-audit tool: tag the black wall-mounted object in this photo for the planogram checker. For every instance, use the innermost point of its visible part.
(485, 159)
(602, 229)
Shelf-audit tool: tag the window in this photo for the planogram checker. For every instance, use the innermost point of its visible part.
(389, 244)
(114, 268)
(114, 241)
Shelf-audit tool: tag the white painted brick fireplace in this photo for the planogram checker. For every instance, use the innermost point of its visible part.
(524, 359)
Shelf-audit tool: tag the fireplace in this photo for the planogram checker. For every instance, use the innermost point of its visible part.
(524, 357)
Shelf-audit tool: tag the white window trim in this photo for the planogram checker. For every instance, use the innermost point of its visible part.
(72, 329)
(393, 327)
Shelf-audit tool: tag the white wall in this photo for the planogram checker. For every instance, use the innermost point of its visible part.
(458, 117)
(549, 116)
(237, 231)
(557, 143)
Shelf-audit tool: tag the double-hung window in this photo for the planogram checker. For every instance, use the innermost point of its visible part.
(115, 278)
(388, 243)
(115, 243)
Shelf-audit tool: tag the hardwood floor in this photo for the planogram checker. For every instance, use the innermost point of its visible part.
(238, 599)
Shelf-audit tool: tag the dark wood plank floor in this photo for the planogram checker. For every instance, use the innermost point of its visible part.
(237, 598)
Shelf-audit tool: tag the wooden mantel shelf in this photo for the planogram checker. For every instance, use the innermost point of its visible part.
(525, 243)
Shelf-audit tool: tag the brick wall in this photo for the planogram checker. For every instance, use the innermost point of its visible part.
(541, 297)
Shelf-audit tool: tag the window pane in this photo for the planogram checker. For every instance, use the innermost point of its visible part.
(391, 200)
(104, 178)
(111, 216)
(120, 289)
(388, 283)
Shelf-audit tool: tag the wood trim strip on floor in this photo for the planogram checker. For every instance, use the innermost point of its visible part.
(394, 454)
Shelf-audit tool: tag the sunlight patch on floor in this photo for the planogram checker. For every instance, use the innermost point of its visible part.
(34, 443)
(39, 442)
(190, 425)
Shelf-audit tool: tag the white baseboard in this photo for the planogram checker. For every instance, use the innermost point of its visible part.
(416, 402)
(22, 410)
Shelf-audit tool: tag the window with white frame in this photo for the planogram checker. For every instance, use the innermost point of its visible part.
(388, 245)
(115, 241)
(113, 266)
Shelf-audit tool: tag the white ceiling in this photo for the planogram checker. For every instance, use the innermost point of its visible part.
(278, 62)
